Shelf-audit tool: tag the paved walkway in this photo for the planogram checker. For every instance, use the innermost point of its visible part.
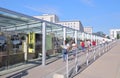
(37, 72)
(107, 66)
(59, 66)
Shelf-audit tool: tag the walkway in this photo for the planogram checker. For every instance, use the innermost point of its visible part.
(107, 66)
(60, 67)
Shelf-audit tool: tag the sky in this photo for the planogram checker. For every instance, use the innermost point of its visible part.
(101, 15)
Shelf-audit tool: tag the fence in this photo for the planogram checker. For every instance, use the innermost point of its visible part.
(82, 60)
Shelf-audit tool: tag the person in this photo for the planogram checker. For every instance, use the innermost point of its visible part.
(88, 45)
(74, 49)
(83, 46)
(103, 42)
(65, 48)
(79, 45)
(93, 43)
(100, 43)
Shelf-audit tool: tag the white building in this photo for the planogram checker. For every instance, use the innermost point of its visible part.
(114, 32)
(53, 18)
(88, 30)
(48, 17)
(72, 24)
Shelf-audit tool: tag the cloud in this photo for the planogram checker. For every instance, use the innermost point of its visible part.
(44, 9)
(88, 2)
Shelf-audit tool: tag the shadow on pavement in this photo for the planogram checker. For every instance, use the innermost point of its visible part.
(19, 74)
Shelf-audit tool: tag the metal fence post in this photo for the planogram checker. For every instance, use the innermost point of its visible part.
(103, 48)
(67, 71)
(99, 50)
(94, 53)
(87, 58)
(76, 62)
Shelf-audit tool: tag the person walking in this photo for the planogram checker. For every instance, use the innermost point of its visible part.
(93, 43)
(83, 46)
(88, 45)
(74, 48)
(65, 48)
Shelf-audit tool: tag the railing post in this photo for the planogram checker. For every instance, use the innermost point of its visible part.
(87, 60)
(94, 53)
(99, 50)
(76, 62)
(103, 48)
(67, 71)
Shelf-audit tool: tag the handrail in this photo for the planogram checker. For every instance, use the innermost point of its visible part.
(83, 59)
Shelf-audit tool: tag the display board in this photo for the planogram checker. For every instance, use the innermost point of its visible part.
(48, 42)
(31, 48)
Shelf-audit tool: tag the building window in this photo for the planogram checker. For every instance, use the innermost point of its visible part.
(51, 19)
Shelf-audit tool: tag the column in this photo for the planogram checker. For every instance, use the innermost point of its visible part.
(64, 35)
(76, 37)
(43, 43)
(25, 48)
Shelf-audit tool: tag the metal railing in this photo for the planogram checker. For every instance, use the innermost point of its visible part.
(82, 60)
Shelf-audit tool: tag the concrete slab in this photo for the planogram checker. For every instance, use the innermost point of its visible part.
(107, 66)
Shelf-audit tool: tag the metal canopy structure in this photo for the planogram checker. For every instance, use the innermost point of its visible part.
(13, 21)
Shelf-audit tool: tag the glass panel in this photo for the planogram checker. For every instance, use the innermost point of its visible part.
(79, 40)
(11, 20)
(14, 33)
(79, 35)
(54, 39)
(10, 49)
(9, 15)
(70, 34)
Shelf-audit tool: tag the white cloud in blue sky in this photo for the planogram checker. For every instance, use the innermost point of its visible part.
(88, 2)
(100, 14)
(46, 9)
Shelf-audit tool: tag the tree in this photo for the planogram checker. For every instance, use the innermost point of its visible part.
(100, 33)
(108, 37)
(118, 36)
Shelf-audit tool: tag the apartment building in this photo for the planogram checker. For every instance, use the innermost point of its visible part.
(55, 19)
(88, 30)
(114, 32)
(72, 24)
(48, 17)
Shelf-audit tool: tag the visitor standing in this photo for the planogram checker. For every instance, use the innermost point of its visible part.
(65, 48)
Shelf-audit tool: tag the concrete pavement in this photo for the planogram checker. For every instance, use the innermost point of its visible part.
(107, 66)
(47, 71)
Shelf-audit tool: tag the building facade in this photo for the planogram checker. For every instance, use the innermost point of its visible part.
(48, 17)
(72, 24)
(114, 33)
(88, 30)
(55, 19)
